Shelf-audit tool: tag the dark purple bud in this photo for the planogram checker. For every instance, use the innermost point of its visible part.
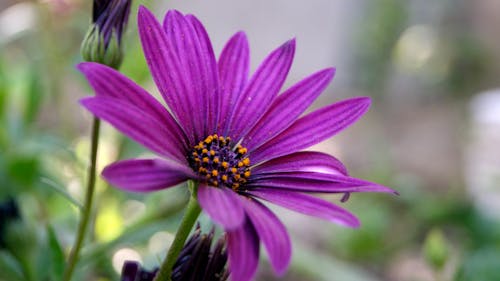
(198, 261)
(132, 271)
(103, 42)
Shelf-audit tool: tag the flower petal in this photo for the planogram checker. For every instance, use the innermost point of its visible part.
(108, 82)
(308, 205)
(196, 57)
(136, 124)
(261, 90)
(272, 233)
(222, 205)
(313, 128)
(233, 66)
(211, 74)
(243, 252)
(294, 102)
(170, 74)
(142, 175)
(316, 182)
(304, 161)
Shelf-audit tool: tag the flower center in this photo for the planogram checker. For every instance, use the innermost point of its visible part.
(219, 162)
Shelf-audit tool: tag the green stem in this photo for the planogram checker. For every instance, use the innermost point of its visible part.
(192, 212)
(87, 207)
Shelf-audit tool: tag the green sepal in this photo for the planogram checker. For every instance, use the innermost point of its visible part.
(95, 49)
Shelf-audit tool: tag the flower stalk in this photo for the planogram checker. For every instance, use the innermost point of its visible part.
(87, 207)
(101, 44)
(192, 212)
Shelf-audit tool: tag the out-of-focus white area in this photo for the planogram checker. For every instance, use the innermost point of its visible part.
(322, 29)
(482, 164)
(16, 19)
(123, 255)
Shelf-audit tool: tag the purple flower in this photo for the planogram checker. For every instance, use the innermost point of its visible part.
(231, 133)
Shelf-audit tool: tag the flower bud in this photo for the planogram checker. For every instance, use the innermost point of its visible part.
(198, 260)
(436, 249)
(103, 41)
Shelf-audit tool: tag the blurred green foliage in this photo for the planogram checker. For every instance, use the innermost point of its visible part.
(43, 160)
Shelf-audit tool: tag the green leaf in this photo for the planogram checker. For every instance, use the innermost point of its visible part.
(62, 191)
(481, 265)
(23, 169)
(57, 260)
(34, 98)
(3, 91)
(10, 267)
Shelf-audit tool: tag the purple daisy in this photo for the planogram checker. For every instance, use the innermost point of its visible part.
(231, 133)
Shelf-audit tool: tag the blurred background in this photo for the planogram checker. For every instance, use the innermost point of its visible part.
(432, 133)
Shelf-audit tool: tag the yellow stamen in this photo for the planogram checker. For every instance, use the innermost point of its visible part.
(246, 161)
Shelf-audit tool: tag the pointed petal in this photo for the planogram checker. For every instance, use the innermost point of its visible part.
(108, 82)
(211, 82)
(308, 205)
(196, 58)
(142, 175)
(294, 102)
(233, 66)
(304, 161)
(272, 233)
(261, 90)
(222, 205)
(169, 74)
(181, 37)
(243, 252)
(136, 124)
(316, 182)
(313, 128)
